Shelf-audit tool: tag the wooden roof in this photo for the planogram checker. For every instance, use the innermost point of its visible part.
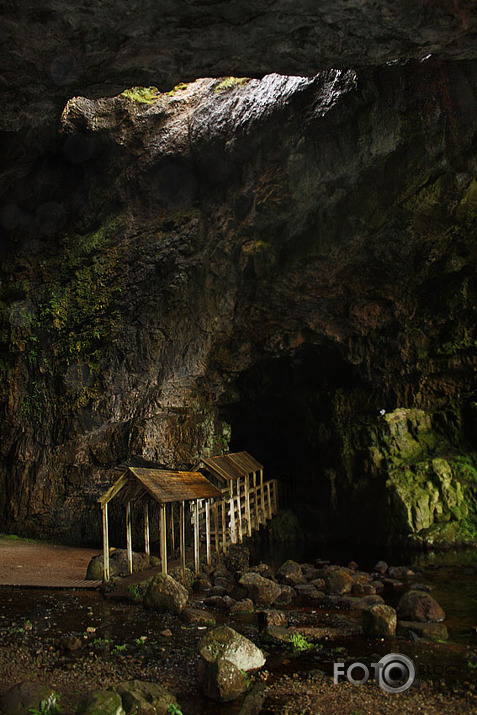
(162, 485)
(232, 466)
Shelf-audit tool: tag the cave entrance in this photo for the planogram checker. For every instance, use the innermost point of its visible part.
(290, 413)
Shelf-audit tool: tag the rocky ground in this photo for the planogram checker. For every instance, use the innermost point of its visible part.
(79, 644)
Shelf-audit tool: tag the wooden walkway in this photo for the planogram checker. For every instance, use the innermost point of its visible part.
(25, 564)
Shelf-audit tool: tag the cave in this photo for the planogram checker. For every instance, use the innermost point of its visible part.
(285, 414)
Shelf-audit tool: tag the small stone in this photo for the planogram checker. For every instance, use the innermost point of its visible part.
(216, 602)
(167, 633)
(400, 572)
(69, 643)
(277, 634)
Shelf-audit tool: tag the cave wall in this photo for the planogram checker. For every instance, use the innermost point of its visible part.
(169, 265)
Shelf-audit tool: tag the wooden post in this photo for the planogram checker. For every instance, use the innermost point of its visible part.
(162, 513)
(129, 537)
(269, 497)
(247, 505)
(182, 537)
(216, 526)
(207, 531)
(233, 537)
(196, 538)
(105, 543)
(239, 505)
(147, 547)
(224, 526)
(172, 537)
(255, 502)
(262, 499)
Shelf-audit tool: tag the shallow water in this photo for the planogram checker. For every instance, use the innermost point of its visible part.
(30, 616)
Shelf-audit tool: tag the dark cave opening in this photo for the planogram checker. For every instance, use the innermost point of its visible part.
(294, 414)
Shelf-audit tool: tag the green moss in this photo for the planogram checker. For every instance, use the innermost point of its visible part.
(141, 95)
(228, 83)
(178, 88)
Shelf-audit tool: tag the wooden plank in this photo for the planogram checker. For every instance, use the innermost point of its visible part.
(239, 508)
(162, 516)
(196, 538)
(182, 547)
(207, 531)
(147, 547)
(105, 543)
(115, 489)
(129, 536)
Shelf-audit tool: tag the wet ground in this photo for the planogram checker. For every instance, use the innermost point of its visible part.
(122, 640)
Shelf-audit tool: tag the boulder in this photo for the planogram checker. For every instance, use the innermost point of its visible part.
(290, 573)
(224, 642)
(379, 621)
(400, 572)
(381, 567)
(420, 606)
(220, 602)
(222, 681)
(428, 631)
(363, 589)
(198, 617)
(318, 583)
(309, 593)
(243, 606)
(142, 698)
(102, 702)
(261, 590)
(237, 558)
(263, 569)
(271, 617)
(165, 594)
(286, 596)
(278, 635)
(25, 696)
(118, 564)
(226, 657)
(338, 582)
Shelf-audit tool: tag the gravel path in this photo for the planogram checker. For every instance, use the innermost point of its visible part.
(24, 563)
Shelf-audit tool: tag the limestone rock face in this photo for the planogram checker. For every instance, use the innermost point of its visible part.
(92, 47)
(165, 594)
(289, 259)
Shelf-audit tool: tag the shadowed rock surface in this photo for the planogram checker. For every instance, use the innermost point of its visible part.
(285, 264)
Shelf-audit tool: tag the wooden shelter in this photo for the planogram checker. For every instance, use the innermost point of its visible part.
(139, 485)
(250, 503)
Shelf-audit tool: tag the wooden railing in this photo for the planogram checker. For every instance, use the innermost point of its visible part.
(241, 511)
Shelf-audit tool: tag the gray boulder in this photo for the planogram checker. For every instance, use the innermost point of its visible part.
(285, 597)
(226, 657)
(165, 594)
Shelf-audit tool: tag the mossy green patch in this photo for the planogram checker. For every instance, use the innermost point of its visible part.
(141, 95)
(228, 83)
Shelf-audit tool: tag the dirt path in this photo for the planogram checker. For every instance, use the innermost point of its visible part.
(24, 563)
